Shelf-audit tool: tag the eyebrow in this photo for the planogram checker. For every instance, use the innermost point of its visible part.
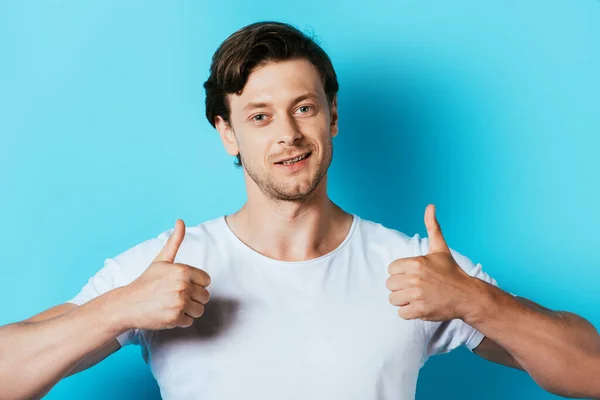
(251, 105)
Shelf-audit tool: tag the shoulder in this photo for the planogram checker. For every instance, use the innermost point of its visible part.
(388, 241)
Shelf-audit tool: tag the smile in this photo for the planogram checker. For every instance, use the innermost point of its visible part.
(295, 160)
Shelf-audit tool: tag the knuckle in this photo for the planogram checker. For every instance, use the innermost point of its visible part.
(181, 286)
(193, 311)
(391, 268)
(207, 296)
(173, 317)
(185, 322)
(179, 304)
(200, 311)
(180, 270)
(417, 267)
(391, 297)
(182, 296)
(401, 313)
(207, 279)
(397, 266)
(170, 325)
(418, 294)
(388, 283)
(394, 298)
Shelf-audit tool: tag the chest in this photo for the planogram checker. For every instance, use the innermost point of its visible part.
(246, 346)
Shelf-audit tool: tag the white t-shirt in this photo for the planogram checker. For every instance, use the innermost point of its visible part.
(316, 329)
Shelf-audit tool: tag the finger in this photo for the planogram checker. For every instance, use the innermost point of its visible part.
(193, 309)
(169, 251)
(194, 275)
(399, 298)
(437, 243)
(402, 265)
(200, 294)
(184, 321)
(199, 277)
(409, 311)
(397, 282)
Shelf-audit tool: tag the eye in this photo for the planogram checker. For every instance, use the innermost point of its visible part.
(259, 117)
(306, 110)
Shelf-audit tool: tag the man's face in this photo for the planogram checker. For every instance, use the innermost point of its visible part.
(282, 113)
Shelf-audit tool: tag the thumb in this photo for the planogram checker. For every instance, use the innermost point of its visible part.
(437, 243)
(169, 251)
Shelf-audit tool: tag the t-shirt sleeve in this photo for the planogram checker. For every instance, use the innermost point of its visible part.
(449, 335)
(109, 277)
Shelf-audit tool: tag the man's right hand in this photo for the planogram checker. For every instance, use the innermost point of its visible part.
(168, 294)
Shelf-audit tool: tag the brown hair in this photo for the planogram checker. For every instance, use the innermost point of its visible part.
(252, 46)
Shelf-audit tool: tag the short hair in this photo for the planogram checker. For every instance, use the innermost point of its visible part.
(251, 47)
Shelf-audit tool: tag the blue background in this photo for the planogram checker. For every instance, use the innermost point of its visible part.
(490, 111)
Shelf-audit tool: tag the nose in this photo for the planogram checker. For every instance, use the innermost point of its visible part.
(288, 131)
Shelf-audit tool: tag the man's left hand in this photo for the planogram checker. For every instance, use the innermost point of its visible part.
(431, 287)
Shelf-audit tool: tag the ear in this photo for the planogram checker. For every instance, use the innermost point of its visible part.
(333, 112)
(227, 136)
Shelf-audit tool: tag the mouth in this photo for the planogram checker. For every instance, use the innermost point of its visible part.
(291, 161)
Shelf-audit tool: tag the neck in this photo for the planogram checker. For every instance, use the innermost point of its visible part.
(291, 230)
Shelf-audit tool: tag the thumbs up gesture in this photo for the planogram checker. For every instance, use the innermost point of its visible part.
(167, 294)
(431, 287)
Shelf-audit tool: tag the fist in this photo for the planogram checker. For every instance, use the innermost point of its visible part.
(168, 294)
(431, 287)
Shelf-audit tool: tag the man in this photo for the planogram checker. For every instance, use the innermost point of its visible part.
(291, 297)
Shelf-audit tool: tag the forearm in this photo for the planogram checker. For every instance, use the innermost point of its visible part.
(34, 356)
(559, 350)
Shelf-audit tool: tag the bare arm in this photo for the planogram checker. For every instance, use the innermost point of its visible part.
(559, 350)
(493, 352)
(37, 353)
(89, 361)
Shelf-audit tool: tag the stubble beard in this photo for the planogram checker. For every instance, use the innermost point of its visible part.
(280, 191)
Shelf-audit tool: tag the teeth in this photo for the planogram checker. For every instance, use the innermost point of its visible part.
(293, 160)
